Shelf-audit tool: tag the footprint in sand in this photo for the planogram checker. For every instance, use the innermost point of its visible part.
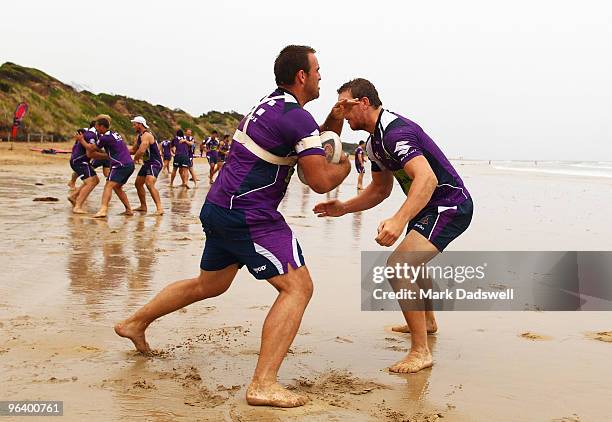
(605, 336)
(534, 336)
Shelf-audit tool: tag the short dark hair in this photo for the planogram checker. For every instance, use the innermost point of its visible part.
(80, 131)
(360, 88)
(180, 132)
(103, 122)
(214, 131)
(92, 123)
(290, 61)
(361, 142)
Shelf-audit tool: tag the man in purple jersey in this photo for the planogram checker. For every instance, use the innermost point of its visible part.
(360, 164)
(180, 149)
(80, 164)
(166, 147)
(146, 148)
(192, 148)
(438, 207)
(122, 165)
(243, 226)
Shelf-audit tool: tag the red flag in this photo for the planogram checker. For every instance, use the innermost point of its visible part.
(20, 113)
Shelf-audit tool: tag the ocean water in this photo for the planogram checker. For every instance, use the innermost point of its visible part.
(566, 168)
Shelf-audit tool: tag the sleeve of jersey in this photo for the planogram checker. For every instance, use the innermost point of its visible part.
(297, 125)
(403, 146)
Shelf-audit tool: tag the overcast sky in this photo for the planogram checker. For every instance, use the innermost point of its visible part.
(485, 79)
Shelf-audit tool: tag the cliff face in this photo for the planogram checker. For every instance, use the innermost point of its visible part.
(57, 108)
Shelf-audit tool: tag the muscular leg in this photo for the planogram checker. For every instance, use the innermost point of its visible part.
(123, 198)
(140, 182)
(280, 327)
(419, 357)
(184, 178)
(174, 297)
(72, 181)
(106, 197)
(173, 176)
(88, 185)
(150, 182)
(193, 176)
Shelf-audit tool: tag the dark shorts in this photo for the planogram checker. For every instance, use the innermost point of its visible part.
(222, 158)
(213, 157)
(83, 169)
(149, 169)
(360, 168)
(167, 157)
(121, 174)
(103, 163)
(190, 162)
(442, 225)
(267, 248)
(180, 161)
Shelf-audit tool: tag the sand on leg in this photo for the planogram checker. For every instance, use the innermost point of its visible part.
(280, 327)
(172, 298)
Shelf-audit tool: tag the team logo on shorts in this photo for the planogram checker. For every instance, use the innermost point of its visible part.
(424, 220)
(259, 269)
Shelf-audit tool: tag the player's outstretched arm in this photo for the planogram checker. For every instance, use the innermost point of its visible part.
(376, 192)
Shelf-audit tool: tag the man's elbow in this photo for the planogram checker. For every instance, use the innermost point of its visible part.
(432, 182)
(320, 186)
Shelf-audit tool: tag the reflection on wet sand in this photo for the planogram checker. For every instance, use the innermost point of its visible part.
(82, 275)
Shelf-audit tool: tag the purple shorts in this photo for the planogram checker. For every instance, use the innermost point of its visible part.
(83, 169)
(259, 239)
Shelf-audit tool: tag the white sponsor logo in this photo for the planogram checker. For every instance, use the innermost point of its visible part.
(259, 269)
(402, 148)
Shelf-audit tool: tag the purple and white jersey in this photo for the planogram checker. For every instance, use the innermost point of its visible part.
(358, 152)
(166, 145)
(181, 148)
(246, 181)
(116, 149)
(396, 140)
(78, 151)
(192, 148)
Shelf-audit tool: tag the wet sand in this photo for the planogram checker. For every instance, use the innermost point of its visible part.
(68, 279)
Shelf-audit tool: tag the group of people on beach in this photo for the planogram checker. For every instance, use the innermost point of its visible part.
(99, 146)
(243, 226)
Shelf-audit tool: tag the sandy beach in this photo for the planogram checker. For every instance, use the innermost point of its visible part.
(67, 279)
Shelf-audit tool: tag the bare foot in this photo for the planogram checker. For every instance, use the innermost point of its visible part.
(100, 214)
(72, 199)
(185, 186)
(127, 213)
(432, 328)
(76, 210)
(273, 395)
(159, 212)
(141, 209)
(413, 362)
(134, 332)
